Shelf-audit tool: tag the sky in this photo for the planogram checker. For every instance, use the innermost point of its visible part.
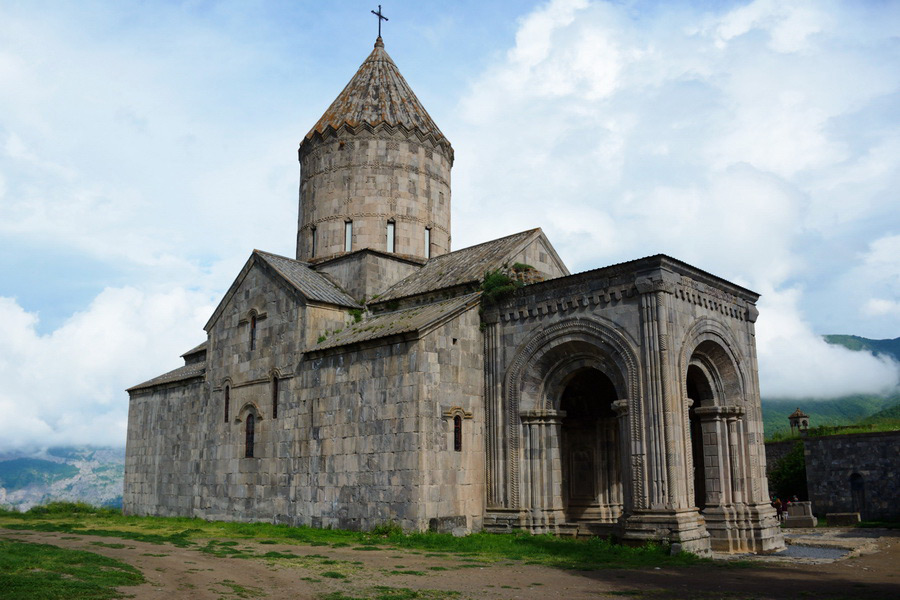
(146, 148)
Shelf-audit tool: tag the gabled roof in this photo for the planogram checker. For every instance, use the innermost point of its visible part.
(198, 348)
(378, 94)
(296, 275)
(416, 320)
(314, 286)
(180, 374)
(466, 266)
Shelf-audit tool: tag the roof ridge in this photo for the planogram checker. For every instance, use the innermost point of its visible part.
(493, 241)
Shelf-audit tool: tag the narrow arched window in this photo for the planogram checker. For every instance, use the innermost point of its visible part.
(457, 433)
(312, 242)
(428, 242)
(275, 397)
(348, 236)
(390, 236)
(227, 401)
(253, 332)
(251, 426)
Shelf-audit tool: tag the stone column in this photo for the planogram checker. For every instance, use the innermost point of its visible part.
(689, 450)
(542, 469)
(495, 432)
(735, 452)
(624, 445)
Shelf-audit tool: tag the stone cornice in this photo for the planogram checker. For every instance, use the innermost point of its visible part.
(611, 285)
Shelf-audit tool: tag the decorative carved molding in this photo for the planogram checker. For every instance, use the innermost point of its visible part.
(607, 339)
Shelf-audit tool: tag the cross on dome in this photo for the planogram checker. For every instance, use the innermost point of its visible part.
(381, 18)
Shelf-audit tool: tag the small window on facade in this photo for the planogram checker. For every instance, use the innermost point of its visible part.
(428, 242)
(253, 332)
(348, 236)
(227, 401)
(390, 236)
(275, 397)
(312, 242)
(457, 433)
(251, 426)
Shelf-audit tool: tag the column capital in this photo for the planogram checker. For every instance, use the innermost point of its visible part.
(660, 282)
(720, 412)
(620, 407)
(539, 416)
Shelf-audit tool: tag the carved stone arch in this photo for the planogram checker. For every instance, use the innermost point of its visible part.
(247, 408)
(710, 346)
(534, 361)
(588, 337)
(568, 367)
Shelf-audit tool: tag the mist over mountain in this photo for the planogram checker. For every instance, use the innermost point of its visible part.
(87, 474)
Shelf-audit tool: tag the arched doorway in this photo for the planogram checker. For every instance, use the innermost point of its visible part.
(592, 479)
(700, 395)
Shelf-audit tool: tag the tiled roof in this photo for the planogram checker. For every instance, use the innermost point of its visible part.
(461, 267)
(201, 346)
(312, 285)
(376, 95)
(179, 374)
(398, 322)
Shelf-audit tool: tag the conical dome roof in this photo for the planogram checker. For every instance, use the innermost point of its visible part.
(378, 95)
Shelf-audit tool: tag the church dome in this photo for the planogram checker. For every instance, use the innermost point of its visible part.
(374, 172)
(378, 95)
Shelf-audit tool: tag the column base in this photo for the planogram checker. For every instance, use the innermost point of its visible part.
(536, 521)
(743, 528)
(683, 526)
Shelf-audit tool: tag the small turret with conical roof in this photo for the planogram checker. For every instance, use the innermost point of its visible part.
(375, 171)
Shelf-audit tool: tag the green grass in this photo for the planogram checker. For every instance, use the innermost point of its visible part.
(213, 537)
(29, 571)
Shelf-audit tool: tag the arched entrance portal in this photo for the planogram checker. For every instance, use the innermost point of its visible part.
(592, 478)
(700, 393)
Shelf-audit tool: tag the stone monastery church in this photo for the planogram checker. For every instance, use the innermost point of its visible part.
(366, 380)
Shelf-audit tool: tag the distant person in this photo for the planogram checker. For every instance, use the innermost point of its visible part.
(779, 508)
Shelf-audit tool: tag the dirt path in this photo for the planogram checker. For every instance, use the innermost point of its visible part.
(313, 571)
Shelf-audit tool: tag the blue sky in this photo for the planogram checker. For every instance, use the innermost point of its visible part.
(147, 148)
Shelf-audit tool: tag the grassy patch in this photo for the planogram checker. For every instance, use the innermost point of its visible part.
(334, 575)
(594, 553)
(105, 545)
(29, 570)
(235, 590)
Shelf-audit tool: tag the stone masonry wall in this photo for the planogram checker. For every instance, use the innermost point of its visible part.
(453, 384)
(831, 463)
(160, 465)
(359, 438)
(370, 178)
(366, 274)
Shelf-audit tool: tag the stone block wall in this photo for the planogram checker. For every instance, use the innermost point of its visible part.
(369, 178)
(453, 384)
(366, 274)
(160, 457)
(857, 472)
(775, 451)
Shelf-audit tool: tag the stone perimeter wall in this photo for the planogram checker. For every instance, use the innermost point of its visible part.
(831, 461)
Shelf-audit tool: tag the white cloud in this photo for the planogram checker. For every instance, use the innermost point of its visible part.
(68, 387)
(758, 146)
(795, 362)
